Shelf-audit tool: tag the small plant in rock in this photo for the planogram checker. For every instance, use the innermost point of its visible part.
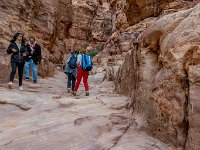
(94, 52)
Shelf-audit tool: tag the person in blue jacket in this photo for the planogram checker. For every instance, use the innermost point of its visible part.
(71, 70)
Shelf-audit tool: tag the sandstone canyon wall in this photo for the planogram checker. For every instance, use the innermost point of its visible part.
(161, 75)
(59, 25)
(156, 48)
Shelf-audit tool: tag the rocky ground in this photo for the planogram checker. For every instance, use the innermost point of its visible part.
(45, 116)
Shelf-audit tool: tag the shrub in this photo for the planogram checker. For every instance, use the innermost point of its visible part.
(94, 52)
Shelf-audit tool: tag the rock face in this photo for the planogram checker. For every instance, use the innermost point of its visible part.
(130, 12)
(117, 46)
(164, 74)
(126, 29)
(59, 25)
(32, 17)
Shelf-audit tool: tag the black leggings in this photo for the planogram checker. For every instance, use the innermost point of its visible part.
(71, 81)
(14, 66)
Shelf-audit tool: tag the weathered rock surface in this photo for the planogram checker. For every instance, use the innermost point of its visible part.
(129, 12)
(59, 25)
(57, 120)
(163, 71)
(117, 47)
(127, 30)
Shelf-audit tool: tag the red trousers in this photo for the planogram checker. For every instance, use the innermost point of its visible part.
(81, 73)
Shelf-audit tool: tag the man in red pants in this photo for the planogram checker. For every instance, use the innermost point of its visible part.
(81, 74)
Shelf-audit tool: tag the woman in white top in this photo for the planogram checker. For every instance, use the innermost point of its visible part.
(81, 74)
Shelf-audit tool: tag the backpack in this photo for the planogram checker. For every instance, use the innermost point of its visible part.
(87, 64)
(72, 61)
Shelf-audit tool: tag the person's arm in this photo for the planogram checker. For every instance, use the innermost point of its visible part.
(26, 53)
(10, 49)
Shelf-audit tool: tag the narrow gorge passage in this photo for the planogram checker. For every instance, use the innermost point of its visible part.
(57, 120)
(146, 50)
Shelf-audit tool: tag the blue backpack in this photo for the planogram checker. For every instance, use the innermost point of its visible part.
(87, 64)
(72, 61)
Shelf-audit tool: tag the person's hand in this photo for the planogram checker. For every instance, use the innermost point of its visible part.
(24, 54)
(14, 50)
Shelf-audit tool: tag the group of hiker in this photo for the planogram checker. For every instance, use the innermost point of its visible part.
(78, 66)
(27, 54)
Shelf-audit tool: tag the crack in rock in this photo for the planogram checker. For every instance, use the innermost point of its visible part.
(21, 106)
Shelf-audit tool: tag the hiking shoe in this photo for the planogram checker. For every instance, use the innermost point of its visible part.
(69, 90)
(74, 93)
(26, 78)
(21, 88)
(34, 81)
(10, 85)
(87, 94)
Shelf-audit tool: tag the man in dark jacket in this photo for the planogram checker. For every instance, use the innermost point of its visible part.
(18, 50)
(33, 59)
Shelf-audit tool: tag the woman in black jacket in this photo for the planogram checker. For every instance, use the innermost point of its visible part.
(18, 50)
